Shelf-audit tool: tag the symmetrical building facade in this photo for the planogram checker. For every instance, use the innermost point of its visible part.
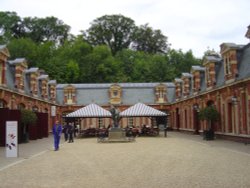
(223, 81)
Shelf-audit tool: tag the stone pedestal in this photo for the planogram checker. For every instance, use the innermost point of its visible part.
(117, 134)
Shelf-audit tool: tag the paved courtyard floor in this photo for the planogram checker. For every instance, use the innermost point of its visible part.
(177, 161)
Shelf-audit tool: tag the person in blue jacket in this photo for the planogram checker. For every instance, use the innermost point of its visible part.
(57, 131)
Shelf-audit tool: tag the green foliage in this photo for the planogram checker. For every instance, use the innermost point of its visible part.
(182, 61)
(73, 72)
(209, 113)
(148, 40)
(28, 117)
(24, 48)
(103, 55)
(10, 26)
(115, 31)
(45, 29)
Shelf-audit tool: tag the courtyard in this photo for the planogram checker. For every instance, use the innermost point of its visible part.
(176, 161)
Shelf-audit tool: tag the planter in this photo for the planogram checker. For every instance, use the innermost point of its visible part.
(208, 135)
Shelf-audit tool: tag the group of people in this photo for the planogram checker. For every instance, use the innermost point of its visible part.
(69, 131)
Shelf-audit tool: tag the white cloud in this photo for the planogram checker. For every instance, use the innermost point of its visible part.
(189, 24)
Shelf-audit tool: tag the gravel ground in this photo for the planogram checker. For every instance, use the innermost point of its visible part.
(150, 162)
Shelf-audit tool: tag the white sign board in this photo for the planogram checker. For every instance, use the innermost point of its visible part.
(11, 139)
(53, 111)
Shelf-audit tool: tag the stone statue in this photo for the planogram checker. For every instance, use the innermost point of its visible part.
(115, 116)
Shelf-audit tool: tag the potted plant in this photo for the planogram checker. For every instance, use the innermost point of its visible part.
(28, 117)
(210, 114)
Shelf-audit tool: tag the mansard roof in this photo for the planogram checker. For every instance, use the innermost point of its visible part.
(244, 63)
(43, 76)
(108, 85)
(197, 68)
(131, 93)
(185, 74)
(17, 61)
(32, 70)
(178, 80)
(212, 58)
(52, 82)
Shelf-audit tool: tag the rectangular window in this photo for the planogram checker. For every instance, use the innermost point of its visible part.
(69, 95)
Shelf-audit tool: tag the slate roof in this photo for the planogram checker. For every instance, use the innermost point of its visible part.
(131, 93)
(32, 70)
(17, 60)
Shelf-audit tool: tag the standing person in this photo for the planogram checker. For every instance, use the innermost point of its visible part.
(65, 132)
(71, 132)
(57, 130)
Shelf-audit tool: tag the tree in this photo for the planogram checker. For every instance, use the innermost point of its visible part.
(10, 26)
(75, 51)
(211, 115)
(23, 48)
(182, 61)
(115, 31)
(101, 66)
(161, 69)
(73, 72)
(45, 29)
(28, 117)
(148, 40)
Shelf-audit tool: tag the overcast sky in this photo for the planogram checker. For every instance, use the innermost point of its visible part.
(188, 24)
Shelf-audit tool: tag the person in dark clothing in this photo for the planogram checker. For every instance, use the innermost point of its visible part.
(65, 132)
(71, 132)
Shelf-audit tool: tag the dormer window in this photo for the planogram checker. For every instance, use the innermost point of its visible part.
(227, 65)
(187, 78)
(69, 95)
(20, 65)
(197, 72)
(208, 75)
(210, 63)
(52, 90)
(4, 54)
(115, 94)
(161, 93)
(178, 88)
(229, 55)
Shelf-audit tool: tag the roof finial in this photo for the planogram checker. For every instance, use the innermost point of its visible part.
(247, 35)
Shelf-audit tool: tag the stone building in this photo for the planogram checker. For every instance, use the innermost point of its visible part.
(223, 80)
